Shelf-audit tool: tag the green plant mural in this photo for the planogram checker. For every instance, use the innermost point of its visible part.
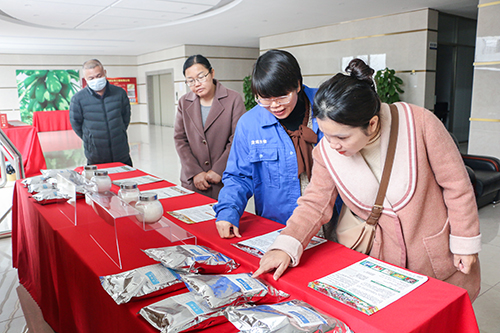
(45, 90)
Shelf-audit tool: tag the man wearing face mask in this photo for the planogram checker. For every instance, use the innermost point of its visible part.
(100, 115)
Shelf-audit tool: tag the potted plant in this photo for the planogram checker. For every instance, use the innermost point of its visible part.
(247, 91)
(388, 85)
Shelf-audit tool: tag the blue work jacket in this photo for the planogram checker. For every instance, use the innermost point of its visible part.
(263, 163)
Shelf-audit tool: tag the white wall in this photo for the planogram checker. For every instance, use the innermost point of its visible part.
(231, 65)
(404, 39)
(484, 134)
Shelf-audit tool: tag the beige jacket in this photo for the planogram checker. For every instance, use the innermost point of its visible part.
(430, 211)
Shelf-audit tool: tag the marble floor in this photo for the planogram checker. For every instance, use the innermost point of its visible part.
(152, 150)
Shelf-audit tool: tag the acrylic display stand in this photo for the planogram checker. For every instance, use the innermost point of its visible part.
(115, 212)
(170, 230)
(72, 186)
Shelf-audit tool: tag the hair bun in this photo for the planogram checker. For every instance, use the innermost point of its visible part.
(358, 69)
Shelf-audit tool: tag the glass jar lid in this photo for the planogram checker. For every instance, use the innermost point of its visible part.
(100, 173)
(90, 167)
(128, 186)
(148, 197)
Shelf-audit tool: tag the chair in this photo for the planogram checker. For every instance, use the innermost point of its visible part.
(484, 172)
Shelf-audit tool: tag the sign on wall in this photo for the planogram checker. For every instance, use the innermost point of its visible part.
(45, 90)
(129, 84)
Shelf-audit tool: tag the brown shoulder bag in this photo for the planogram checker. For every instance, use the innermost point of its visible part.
(351, 230)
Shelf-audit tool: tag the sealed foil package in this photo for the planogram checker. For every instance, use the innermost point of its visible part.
(50, 196)
(192, 259)
(33, 180)
(231, 289)
(35, 188)
(181, 312)
(288, 317)
(52, 173)
(139, 282)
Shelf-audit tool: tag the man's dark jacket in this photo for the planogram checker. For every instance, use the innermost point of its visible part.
(102, 123)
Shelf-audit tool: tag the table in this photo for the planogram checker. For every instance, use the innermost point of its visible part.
(46, 121)
(59, 265)
(25, 138)
(59, 141)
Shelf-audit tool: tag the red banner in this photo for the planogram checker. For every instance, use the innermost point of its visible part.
(129, 84)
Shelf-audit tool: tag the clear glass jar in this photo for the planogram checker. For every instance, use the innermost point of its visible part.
(150, 206)
(88, 171)
(102, 181)
(129, 193)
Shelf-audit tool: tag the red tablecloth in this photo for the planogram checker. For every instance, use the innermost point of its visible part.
(46, 121)
(25, 138)
(60, 265)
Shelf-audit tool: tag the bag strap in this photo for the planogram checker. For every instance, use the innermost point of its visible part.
(389, 159)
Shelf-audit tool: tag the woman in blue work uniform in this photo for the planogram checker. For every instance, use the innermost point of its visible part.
(271, 155)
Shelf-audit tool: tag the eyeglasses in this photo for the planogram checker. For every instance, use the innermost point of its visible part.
(267, 102)
(201, 78)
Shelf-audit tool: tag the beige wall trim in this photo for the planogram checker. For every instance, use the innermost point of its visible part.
(485, 119)
(351, 21)
(353, 38)
(406, 71)
(486, 63)
(138, 123)
(185, 57)
(489, 4)
(160, 61)
(417, 71)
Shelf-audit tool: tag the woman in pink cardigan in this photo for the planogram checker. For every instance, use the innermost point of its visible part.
(429, 223)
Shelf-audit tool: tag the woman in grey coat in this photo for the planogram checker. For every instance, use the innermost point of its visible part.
(204, 127)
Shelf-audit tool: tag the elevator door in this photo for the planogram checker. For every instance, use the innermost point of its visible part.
(161, 99)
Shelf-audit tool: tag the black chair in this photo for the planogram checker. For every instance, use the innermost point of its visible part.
(484, 173)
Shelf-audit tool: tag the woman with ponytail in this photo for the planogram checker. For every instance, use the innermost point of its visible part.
(429, 222)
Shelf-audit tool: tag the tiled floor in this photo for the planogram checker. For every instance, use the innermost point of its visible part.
(152, 150)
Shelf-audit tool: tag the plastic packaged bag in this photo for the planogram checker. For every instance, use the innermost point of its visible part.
(35, 188)
(288, 317)
(52, 173)
(231, 289)
(181, 312)
(50, 196)
(192, 259)
(33, 180)
(141, 281)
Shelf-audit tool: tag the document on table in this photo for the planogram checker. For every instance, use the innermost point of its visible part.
(169, 192)
(195, 214)
(257, 246)
(138, 180)
(368, 285)
(118, 169)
